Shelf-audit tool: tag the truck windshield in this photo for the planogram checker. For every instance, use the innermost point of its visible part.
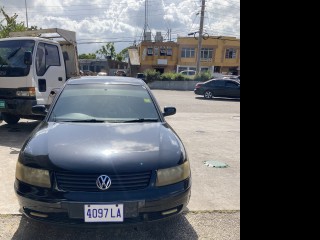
(12, 57)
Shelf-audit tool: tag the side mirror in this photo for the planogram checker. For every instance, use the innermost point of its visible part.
(66, 56)
(28, 58)
(39, 110)
(169, 111)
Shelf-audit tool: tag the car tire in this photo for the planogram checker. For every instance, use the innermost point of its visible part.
(10, 119)
(208, 95)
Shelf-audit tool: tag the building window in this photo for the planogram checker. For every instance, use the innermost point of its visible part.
(231, 53)
(169, 51)
(180, 69)
(207, 54)
(156, 51)
(150, 51)
(188, 53)
(163, 51)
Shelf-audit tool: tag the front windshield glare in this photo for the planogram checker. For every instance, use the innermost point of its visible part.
(96, 103)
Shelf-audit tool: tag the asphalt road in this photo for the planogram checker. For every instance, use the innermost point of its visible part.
(210, 130)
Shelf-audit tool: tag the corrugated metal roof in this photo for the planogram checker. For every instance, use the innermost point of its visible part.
(134, 57)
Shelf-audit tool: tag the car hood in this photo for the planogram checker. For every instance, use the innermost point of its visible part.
(95, 147)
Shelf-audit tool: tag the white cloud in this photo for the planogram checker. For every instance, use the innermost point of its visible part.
(122, 21)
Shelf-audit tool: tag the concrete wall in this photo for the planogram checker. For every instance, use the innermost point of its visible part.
(173, 85)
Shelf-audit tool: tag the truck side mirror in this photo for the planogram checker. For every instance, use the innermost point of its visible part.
(66, 56)
(28, 58)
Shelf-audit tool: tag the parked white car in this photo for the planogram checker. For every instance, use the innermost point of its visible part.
(102, 74)
(189, 72)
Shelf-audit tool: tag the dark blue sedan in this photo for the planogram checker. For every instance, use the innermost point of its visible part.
(103, 155)
(222, 88)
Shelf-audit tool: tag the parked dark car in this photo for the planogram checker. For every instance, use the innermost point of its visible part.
(226, 88)
(104, 154)
(141, 76)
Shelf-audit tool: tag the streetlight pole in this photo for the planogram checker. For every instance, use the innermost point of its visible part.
(25, 2)
(200, 36)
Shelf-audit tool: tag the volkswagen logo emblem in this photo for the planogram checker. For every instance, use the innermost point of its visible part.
(103, 182)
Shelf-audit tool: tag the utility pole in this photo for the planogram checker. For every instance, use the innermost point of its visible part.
(200, 36)
(25, 2)
(145, 21)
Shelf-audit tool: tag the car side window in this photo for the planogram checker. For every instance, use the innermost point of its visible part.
(210, 84)
(41, 60)
(219, 83)
(47, 55)
(231, 85)
(52, 58)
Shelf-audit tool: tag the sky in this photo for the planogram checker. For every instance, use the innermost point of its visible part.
(97, 22)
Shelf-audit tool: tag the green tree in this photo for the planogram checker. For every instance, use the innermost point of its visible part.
(88, 56)
(9, 24)
(123, 54)
(119, 57)
(107, 51)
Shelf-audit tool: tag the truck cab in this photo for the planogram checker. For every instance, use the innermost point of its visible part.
(32, 70)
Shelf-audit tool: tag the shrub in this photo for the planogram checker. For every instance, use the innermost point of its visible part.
(168, 76)
(203, 76)
(152, 75)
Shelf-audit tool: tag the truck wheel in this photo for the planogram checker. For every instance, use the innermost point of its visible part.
(10, 119)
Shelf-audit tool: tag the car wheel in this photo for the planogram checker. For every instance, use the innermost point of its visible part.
(208, 95)
(10, 119)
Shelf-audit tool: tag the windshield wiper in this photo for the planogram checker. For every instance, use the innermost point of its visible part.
(84, 121)
(13, 53)
(142, 120)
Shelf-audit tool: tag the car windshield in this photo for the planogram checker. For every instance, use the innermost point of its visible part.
(97, 103)
(12, 57)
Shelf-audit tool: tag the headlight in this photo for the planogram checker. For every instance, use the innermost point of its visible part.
(33, 176)
(173, 175)
(26, 92)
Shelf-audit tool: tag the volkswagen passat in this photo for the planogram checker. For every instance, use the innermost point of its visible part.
(104, 154)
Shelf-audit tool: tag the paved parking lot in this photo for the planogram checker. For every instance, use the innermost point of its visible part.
(210, 130)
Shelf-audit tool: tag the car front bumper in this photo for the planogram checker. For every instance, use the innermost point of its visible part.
(170, 201)
(198, 91)
(18, 106)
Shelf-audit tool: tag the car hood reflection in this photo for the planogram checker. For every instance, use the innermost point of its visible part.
(93, 147)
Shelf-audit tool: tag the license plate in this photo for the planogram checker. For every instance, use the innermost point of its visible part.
(2, 104)
(103, 213)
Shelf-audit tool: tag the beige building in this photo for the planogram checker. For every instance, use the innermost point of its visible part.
(218, 55)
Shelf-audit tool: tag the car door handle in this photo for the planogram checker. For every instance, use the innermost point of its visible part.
(60, 79)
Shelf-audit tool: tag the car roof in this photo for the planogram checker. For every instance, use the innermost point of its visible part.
(224, 79)
(105, 80)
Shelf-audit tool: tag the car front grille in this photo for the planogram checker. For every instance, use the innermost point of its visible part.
(7, 93)
(76, 182)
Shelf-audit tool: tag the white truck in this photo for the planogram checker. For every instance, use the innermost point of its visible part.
(33, 66)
